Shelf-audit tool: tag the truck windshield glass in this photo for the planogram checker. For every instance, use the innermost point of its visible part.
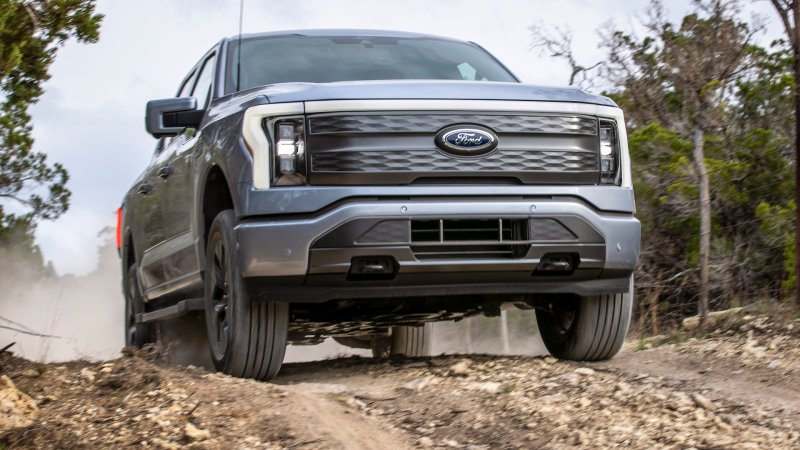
(315, 59)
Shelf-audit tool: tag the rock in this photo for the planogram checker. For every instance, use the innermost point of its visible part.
(680, 401)
(17, 409)
(490, 387)
(703, 402)
(756, 351)
(451, 443)
(774, 364)
(654, 341)
(356, 403)
(713, 319)
(461, 368)
(578, 438)
(691, 323)
(165, 445)
(425, 442)
(584, 402)
(584, 371)
(550, 360)
(623, 387)
(195, 434)
(571, 378)
(88, 375)
(418, 384)
(30, 373)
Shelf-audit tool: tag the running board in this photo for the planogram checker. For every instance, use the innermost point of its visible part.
(179, 309)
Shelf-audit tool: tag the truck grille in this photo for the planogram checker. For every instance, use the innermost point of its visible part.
(399, 148)
(469, 238)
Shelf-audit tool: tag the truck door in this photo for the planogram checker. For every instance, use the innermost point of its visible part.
(181, 267)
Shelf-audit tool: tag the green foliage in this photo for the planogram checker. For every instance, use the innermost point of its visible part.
(31, 32)
(777, 227)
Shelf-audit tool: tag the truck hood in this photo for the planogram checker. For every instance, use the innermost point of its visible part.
(425, 89)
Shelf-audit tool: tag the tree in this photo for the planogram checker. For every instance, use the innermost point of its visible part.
(31, 32)
(789, 12)
(665, 85)
(557, 43)
(680, 76)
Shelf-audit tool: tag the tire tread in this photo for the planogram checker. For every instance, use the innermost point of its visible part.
(259, 331)
(598, 330)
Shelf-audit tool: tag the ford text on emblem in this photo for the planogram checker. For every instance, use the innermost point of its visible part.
(466, 140)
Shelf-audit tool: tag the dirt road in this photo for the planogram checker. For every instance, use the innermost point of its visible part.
(736, 389)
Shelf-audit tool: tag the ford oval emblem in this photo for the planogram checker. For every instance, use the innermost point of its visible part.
(466, 140)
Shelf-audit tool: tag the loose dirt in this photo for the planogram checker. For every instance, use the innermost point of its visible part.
(734, 389)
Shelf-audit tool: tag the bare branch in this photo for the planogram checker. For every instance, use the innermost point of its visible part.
(783, 9)
(28, 332)
(32, 15)
(557, 43)
(3, 350)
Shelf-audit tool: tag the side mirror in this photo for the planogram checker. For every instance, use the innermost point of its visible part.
(170, 116)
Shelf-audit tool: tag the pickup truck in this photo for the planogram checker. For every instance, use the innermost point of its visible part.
(362, 184)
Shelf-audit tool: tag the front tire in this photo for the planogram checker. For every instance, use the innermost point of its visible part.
(136, 334)
(412, 341)
(590, 328)
(247, 339)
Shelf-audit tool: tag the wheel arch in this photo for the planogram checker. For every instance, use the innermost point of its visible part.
(215, 196)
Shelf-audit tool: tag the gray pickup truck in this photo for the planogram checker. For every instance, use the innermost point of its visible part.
(361, 184)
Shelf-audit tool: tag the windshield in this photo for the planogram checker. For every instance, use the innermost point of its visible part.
(324, 59)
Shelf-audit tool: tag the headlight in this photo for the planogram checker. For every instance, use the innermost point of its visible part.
(290, 153)
(609, 153)
(261, 136)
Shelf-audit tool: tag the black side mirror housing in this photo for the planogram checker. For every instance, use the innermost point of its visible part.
(170, 116)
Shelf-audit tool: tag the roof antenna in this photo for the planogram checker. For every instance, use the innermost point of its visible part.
(239, 48)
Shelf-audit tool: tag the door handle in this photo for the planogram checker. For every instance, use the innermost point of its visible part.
(145, 188)
(165, 172)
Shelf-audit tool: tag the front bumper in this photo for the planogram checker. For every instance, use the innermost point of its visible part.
(292, 259)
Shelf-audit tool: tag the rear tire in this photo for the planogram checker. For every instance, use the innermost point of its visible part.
(587, 329)
(412, 341)
(247, 339)
(136, 334)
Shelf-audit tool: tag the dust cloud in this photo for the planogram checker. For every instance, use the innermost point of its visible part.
(475, 335)
(85, 316)
(84, 313)
(486, 335)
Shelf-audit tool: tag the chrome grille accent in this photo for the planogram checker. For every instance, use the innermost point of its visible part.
(510, 161)
(430, 123)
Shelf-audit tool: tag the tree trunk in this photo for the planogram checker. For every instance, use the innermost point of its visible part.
(795, 40)
(654, 329)
(705, 222)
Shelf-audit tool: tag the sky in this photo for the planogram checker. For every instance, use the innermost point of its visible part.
(91, 117)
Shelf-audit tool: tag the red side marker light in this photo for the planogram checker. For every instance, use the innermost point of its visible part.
(119, 228)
